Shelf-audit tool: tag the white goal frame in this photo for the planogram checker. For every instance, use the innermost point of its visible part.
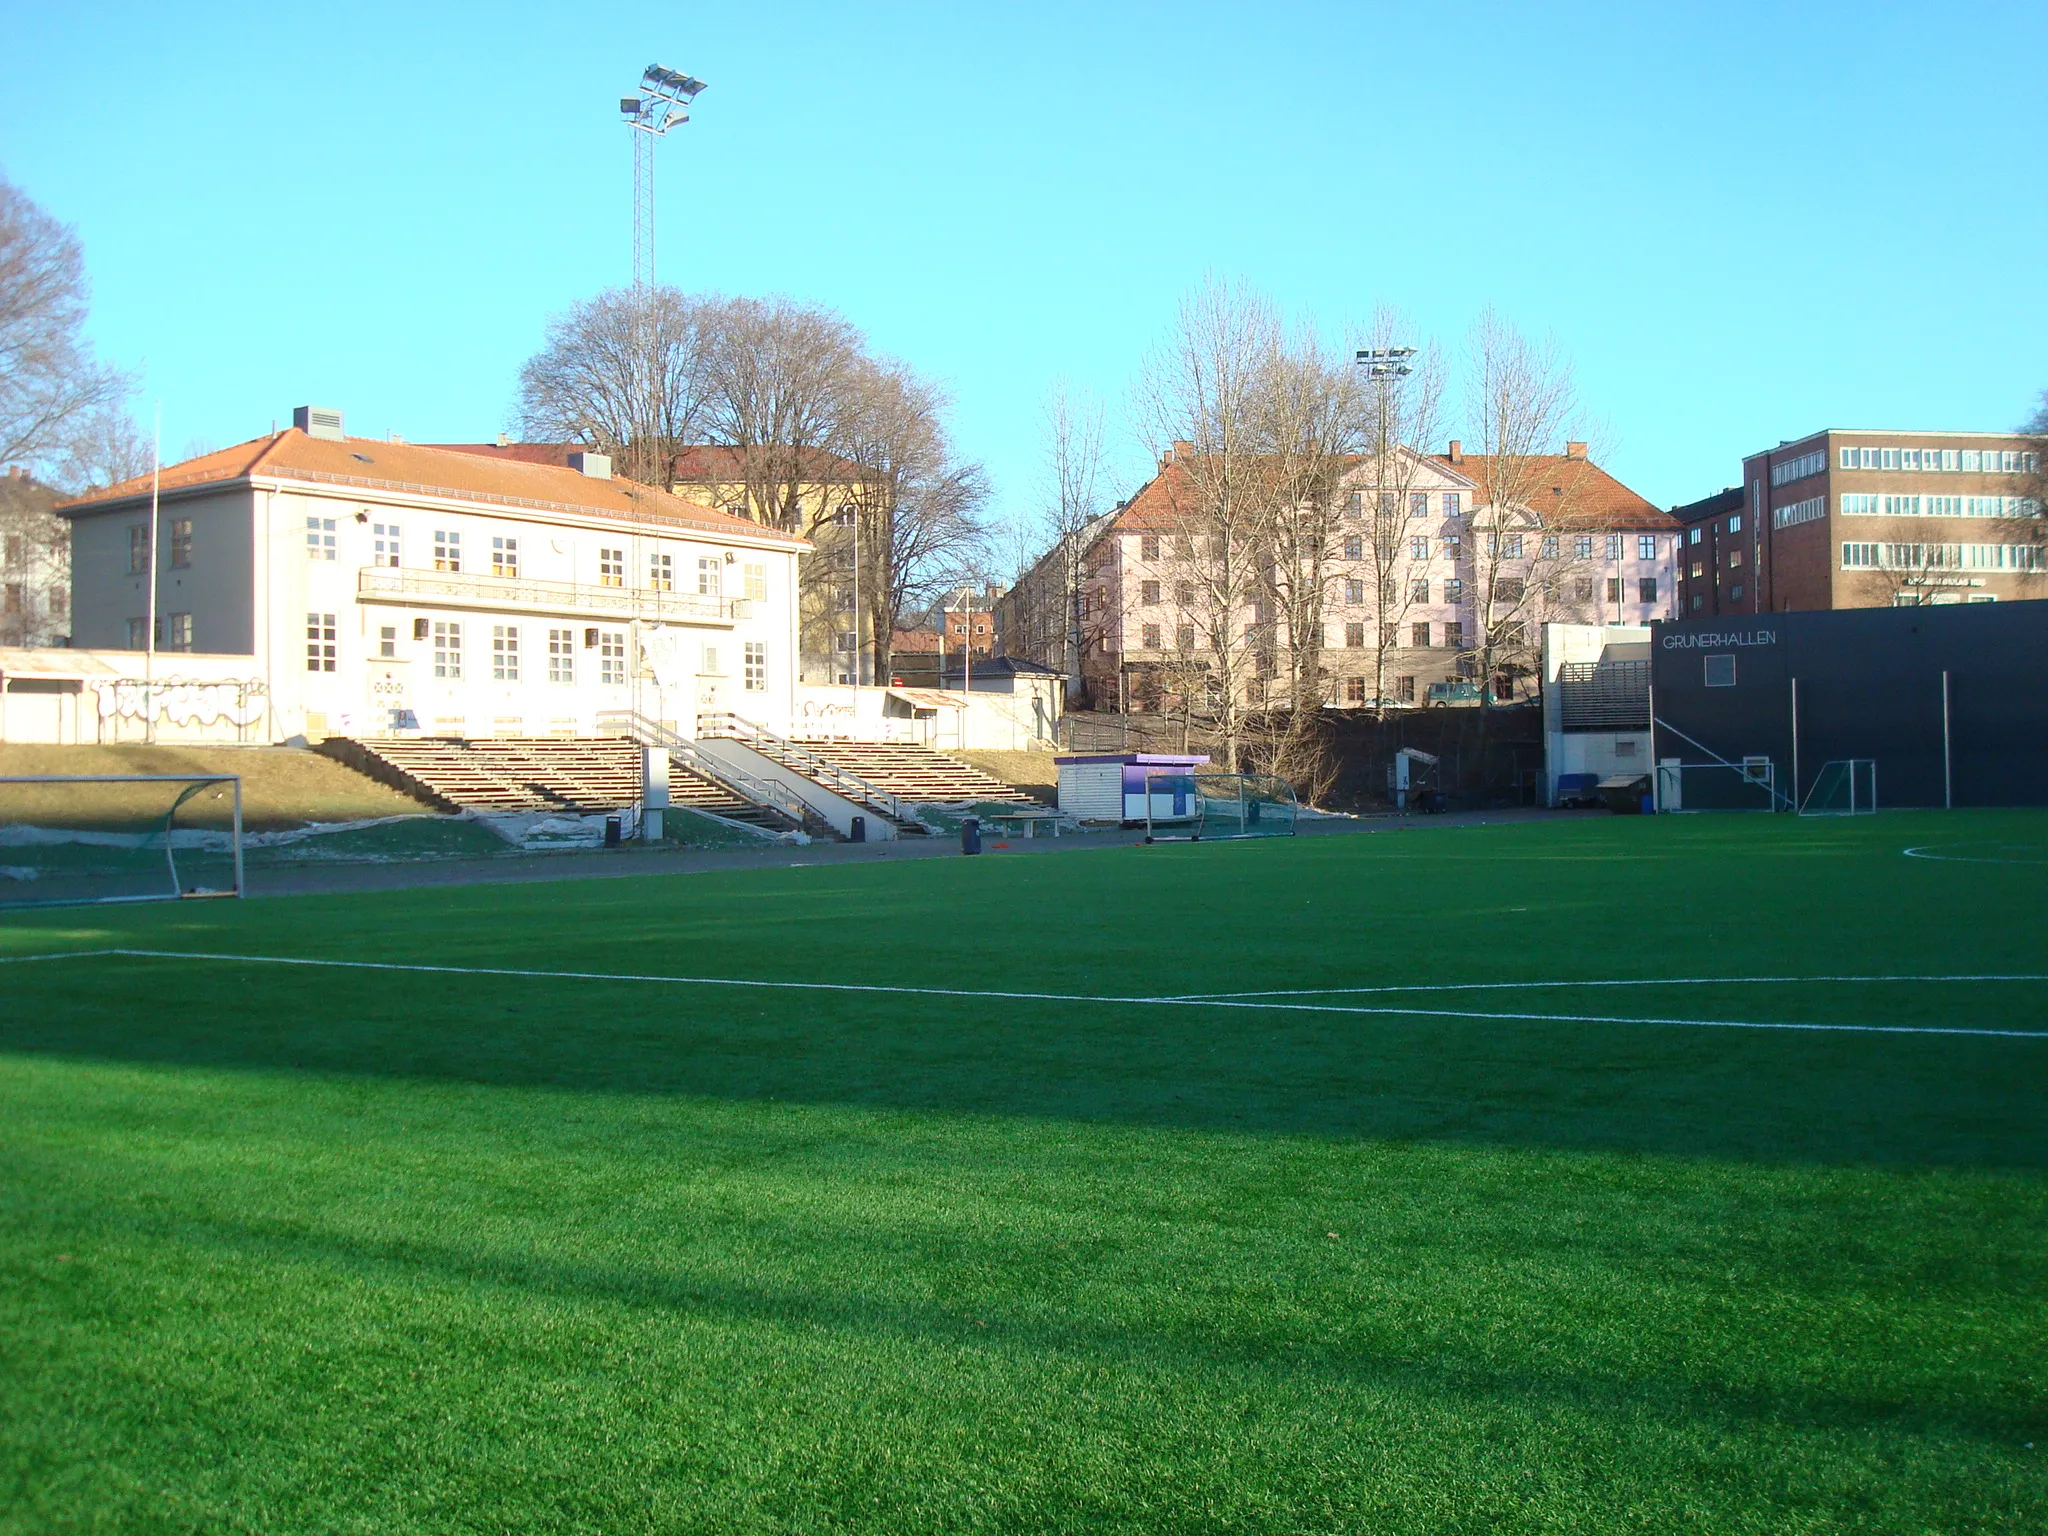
(176, 890)
(1193, 827)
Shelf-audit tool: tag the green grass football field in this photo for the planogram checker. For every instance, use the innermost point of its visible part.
(1013, 1244)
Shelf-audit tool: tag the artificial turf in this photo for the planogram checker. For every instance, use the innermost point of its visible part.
(288, 1249)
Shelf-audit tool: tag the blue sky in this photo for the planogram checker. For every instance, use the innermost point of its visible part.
(1741, 222)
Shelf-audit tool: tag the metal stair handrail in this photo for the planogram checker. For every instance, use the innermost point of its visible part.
(749, 787)
(828, 773)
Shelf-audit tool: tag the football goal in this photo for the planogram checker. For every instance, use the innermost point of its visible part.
(1750, 785)
(1845, 787)
(1184, 806)
(73, 839)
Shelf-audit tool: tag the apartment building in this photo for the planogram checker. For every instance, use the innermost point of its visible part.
(1847, 518)
(1573, 545)
(380, 587)
(35, 563)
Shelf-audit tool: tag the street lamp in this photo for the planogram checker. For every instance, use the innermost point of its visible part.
(665, 94)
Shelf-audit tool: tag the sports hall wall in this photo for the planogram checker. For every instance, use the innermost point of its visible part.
(1869, 686)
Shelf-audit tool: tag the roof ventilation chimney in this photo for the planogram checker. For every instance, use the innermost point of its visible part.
(1457, 453)
(1574, 450)
(598, 466)
(318, 421)
(504, 441)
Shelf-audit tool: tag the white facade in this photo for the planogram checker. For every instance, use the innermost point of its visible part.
(371, 608)
(1602, 753)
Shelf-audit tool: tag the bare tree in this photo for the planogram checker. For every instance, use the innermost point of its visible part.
(104, 447)
(1401, 410)
(49, 380)
(624, 372)
(1073, 475)
(35, 562)
(1200, 402)
(1529, 536)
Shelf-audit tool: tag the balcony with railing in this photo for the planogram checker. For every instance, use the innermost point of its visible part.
(525, 594)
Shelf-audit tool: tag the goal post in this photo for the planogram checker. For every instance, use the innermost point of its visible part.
(1191, 806)
(80, 839)
(1844, 787)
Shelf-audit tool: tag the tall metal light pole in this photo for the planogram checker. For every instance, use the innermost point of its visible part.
(665, 96)
(1386, 362)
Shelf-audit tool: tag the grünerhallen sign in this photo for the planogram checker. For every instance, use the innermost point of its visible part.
(1720, 639)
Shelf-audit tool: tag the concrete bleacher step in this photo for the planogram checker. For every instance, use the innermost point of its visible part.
(501, 774)
(914, 773)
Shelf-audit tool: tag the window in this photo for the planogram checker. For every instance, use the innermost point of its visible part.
(1734, 559)
(1807, 511)
(1699, 601)
(1150, 641)
(1582, 589)
(504, 653)
(1404, 689)
(611, 567)
(1354, 547)
(1550, 546)
(319, 642)
(561, 655)
(1806, 464)
(843, 518)
(661, 572)
(1511, 546)
(447, 552)
(384, 546)
(1582, 546)
(1148, 547)
(319, 538)
(181, 632)
(1693, 535)
(1646, 546)
(447, 648)
(708, 578)
(1354, 591)
(1735, 593)
(754, 659)
(387, 641)
(181, 542)
(847, 642)
(1646, 589)
(756, 578)
(1148, 591)
(1418, 548)
(711, 667)
(1697, 569)
(1354, 504)
(1508, 589)
(1390, 634)
(1614, 589)
(1389, 503)
(1184, 593)
(1720, 671)
(504, 556)
(1354, 690)
(1454, 634)
(1354, 636)
(1614, 546)
(1184, 637)
(138, 634)
(611, 655)
(1735, 523)
(1454, 590)
(1418, 503)
(1419, 633)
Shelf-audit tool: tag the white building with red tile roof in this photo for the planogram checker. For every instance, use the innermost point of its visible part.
(381, 586)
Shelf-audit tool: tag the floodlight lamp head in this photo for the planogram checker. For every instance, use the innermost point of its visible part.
(629, 107)
(670, 84)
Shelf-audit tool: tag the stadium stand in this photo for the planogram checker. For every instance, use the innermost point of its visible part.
(914, 773)
(512, 774)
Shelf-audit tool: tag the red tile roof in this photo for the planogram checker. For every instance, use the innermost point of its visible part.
(437, 471)
(1588, 494)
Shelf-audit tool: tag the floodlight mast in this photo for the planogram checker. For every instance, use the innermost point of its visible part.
(1386, 362)
(660, 106)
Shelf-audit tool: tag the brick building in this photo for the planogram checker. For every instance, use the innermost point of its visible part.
(1865, 519)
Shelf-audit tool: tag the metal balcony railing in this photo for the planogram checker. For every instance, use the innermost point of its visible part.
(747, 786)
(524, 594)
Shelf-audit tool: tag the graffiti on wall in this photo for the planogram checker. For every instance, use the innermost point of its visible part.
(183, 701)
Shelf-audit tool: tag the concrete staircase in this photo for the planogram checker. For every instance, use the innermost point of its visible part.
(511, 774)
(916, 774)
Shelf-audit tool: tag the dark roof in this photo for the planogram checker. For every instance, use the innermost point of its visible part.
(1004, 666)
(1699, 511)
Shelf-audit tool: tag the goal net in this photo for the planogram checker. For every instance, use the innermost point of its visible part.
(1846, 787)
(76, 838)
(1193, 806)
(1750, 785)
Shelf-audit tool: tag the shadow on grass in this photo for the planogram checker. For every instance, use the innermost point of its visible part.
(1191, 1352)
(1732, 1094)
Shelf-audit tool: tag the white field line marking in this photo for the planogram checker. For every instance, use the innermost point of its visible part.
(1528, 986)
(59, 954)
(1927, 851)
(1065, 997)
